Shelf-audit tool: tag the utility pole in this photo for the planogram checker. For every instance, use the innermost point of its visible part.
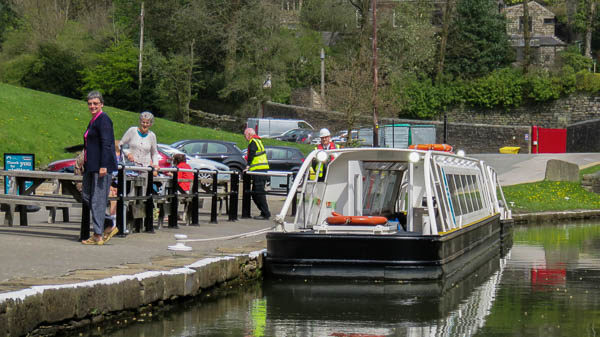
(323, 75)
(375, 117)
(141, 48)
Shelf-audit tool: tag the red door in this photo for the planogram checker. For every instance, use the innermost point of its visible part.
(548, 140)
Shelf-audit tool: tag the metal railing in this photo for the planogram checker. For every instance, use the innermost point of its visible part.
(168, 191)
(247, 191)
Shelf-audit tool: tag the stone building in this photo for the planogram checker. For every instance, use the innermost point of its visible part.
(544, 45)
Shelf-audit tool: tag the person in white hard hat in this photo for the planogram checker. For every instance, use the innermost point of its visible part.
(326, 144)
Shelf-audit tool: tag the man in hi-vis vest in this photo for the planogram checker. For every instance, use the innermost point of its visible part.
(326, 144)
(257, 162)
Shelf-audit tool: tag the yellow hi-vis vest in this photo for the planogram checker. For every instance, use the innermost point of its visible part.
(319, 166)
(259, 162)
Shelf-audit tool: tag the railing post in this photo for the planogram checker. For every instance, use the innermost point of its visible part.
(121, 216)
(233, 196)
(213, 204)
(84, 233)
(295, 200)
(149, 220)
(246, 194)
(22, 208)
(195, 200)
(174, 200)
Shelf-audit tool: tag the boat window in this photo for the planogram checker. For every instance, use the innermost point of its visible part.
(476, 193)
(467, 194)
(454, 194)
(381, 186)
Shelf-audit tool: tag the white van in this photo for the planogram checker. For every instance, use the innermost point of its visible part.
(270, 127)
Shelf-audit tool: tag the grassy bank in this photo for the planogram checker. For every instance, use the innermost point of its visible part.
(546, 196)
(44, 124)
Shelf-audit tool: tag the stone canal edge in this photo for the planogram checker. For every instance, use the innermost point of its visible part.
(22, 311)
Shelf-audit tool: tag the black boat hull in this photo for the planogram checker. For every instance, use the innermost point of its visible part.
(385, 257)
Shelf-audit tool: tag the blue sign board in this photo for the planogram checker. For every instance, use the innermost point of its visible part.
(18, 161)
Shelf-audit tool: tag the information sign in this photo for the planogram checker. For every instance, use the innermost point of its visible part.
(18, 161)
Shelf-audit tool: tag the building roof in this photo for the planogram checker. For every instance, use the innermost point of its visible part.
(536, 41)
(530, 4)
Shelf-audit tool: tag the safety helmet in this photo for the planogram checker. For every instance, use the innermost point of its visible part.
(324, 133)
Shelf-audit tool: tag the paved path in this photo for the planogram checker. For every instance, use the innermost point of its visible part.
(43, 253)
(524, 168)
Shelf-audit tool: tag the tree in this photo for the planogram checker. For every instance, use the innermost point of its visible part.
(8, 19)
(477, 42)
(526, 37)
(115, 75)
(55, 70)
(446, 19)
(350, 87)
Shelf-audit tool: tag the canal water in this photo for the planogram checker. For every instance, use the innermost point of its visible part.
(547, 284)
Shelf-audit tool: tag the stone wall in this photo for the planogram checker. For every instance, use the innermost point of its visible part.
(469, 136)
(479, 138)
(486, 130)
(88, 303)
(218, 122)
(584, 136)
(555, 114)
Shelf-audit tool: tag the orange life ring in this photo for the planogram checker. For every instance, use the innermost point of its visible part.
(338, 219)
(434, 147)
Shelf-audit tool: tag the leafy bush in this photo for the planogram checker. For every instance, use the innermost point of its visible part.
(420, 99)
(573, 58)
(502, 88)
(587, 81)
(542, 86)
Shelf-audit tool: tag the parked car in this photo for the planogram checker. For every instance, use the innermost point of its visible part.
(63, 165)
(304, 136)
(224, 152)
(270, 127)
(167, 152)
(282, 158)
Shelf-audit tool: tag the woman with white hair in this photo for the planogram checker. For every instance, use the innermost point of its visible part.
(142, 142)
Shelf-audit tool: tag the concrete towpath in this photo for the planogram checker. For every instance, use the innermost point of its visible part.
(515, 169)
(42, 253)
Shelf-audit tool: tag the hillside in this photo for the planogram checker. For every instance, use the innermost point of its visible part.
(44, 124)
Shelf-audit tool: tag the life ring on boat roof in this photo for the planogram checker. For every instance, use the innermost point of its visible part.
(434, 147)
(357, 220)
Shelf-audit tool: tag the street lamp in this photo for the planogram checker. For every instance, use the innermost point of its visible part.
(322, 74)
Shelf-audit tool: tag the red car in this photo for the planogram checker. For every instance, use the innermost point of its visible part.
(63, 165)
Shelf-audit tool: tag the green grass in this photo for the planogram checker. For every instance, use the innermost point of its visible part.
(44, 124)
(552, 195)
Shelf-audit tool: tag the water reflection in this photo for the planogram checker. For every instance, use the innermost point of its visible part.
(548, 284)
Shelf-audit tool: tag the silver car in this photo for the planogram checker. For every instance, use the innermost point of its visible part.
(199, 164)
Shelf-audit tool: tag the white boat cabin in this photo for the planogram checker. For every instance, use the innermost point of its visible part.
(418, 192)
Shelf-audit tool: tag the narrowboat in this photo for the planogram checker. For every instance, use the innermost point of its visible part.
(388, 214)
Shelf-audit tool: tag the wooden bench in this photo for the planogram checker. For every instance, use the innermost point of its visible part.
(71, 196)
(48, 201)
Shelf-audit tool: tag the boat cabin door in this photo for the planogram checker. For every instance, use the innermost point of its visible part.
(354, 206)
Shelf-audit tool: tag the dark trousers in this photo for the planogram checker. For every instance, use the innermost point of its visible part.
(95, 194)
(259, 196)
